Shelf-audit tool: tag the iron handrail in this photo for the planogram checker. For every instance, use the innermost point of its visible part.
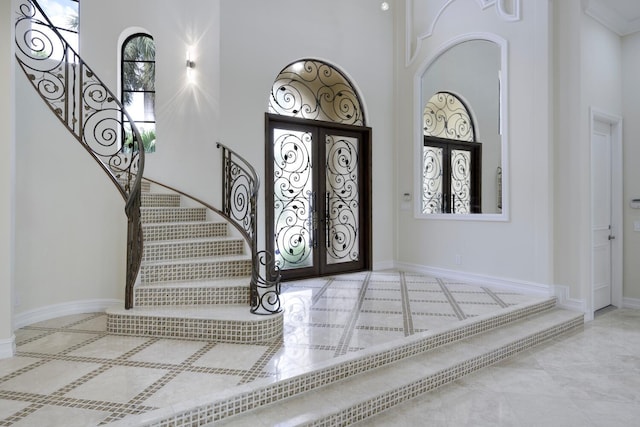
(240, 187)
(90, 111)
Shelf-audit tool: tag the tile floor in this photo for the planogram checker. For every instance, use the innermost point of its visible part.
(589, 378)
(68, 371)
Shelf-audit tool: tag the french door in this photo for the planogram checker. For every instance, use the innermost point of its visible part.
(318, 203)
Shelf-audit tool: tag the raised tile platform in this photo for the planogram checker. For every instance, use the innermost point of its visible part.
(361, 383)
(397, 334)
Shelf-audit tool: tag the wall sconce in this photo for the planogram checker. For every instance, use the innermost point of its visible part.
(190, 62)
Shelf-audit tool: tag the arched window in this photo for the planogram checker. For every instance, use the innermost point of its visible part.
(451, 158)
(138, 95)
(315, 90)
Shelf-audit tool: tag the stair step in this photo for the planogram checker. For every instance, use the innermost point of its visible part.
(160, 200)
(195, 269)
(193, 248)
(357, 397)
(180, 230)
(226, 291)
(220, 323)
(180, 214)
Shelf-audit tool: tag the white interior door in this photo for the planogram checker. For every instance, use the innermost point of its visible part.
(601, 210)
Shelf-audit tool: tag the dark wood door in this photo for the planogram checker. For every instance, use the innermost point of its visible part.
(318, 204)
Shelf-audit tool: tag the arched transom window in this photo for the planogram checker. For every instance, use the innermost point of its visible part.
(451, 157)
(315, 90)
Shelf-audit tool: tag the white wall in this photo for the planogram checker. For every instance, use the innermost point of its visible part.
(631, 107)
(260, 38)
(588, 71)
(7, 168)
(70, 222)
(70, 226)
(519, 249)
(187, 114)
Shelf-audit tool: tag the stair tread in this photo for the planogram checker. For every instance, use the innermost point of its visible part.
(212, 283)
(351, 391)
(231, 312)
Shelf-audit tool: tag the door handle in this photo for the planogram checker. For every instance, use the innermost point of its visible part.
(612, 237)
(313, 241)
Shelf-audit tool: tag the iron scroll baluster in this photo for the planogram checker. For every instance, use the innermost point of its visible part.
(240, 186)
(89, 110)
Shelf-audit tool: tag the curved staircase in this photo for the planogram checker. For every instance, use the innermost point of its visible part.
(194, 278)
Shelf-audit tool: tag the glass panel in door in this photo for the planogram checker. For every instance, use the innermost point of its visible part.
(293, 198)
(342, 199)
(461, 181)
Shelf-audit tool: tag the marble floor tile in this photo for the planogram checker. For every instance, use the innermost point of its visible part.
(91, 377)
(231, 356)
(97, 323)
(188, 386)
(13, 364)
(48, 377)
(110, 347)
(56, 342)
(57, 416)
(117, 384)
(168, 351)
(10, 407)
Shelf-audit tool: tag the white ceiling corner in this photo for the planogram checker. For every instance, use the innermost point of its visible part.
(620, 16)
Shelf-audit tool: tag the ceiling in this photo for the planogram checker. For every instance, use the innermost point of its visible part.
(621, 16)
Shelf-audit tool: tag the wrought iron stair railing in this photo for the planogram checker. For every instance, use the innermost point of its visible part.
(240, 186)
(89, 110)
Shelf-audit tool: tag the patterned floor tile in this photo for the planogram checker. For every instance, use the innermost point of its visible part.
(117, 384)
(71, 368)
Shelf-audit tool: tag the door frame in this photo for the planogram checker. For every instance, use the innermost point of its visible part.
(616, 209)
(365, 159)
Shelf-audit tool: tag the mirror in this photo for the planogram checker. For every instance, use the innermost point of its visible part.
(467, 74)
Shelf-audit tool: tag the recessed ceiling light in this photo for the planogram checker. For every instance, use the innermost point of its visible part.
(384, 6)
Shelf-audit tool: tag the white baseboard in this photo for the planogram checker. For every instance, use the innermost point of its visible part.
(63, 309)
(528, 288)
(8, 347)
(628, 302)
(384, 265)
(565, 300)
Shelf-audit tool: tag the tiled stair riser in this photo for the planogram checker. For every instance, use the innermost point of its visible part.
(220, 410)
(146, 296)
(190, 271)
(192, 249)
(161, 232)
(164, 214)
(160, 200)
(265, 329)
(399, 395)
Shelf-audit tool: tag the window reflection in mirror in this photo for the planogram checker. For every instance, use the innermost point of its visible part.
(462, 151)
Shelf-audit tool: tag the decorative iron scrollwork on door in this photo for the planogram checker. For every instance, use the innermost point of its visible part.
(293, 220)
(343, 202)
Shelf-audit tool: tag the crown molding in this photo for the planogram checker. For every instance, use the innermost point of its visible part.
(507, 10)
(603, 13)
